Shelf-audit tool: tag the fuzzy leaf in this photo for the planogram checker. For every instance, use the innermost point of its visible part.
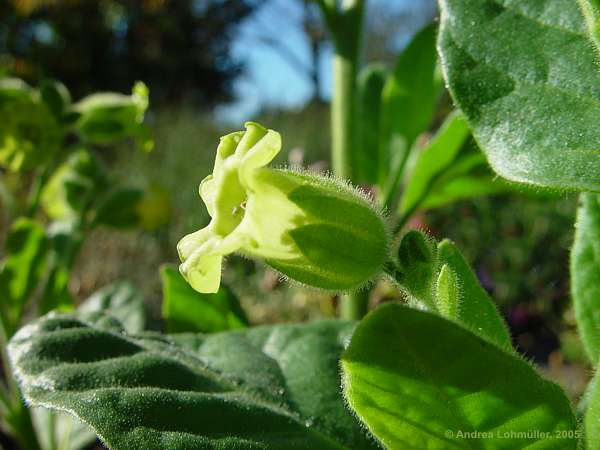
(585, 274)
(185, 309)
(418, 381)
(526, 76)
(447, 293)
(417, 256)
(475, 309)
(265, 388)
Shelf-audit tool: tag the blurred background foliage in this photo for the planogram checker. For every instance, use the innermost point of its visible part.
(210, 64)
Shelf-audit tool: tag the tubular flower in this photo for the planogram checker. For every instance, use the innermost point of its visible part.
(313, 229)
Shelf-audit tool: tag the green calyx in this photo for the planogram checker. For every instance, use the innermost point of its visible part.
(311, 228)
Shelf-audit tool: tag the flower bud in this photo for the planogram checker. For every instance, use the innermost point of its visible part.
(314, 229)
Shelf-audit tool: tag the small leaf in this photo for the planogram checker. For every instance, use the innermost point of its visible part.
(420, 381)
(56, 295)
(185, 309)
(417, 257)
(57, 430)
(525, 74)
(592, 415)
(56, 96)
(120, 300)
(265, 388)
(433, 160)
(409, 99)
(591, 13)
(477, 310)
(447, 293)
(21, 270)
(73, 187)
(108, 117)
(585, 274)
(120, 209)
(369, 88)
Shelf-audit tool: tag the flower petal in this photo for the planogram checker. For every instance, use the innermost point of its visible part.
(261, 154)
(202, 267)
(208, 192)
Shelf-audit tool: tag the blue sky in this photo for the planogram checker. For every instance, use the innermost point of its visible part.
(271, 80)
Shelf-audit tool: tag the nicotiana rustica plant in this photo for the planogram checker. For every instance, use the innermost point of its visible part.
(438, 371)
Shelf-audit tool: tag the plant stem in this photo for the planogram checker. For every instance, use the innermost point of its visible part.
(355, 306)
(345, 25)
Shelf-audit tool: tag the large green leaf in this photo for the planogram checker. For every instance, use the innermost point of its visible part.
(185, 309)
(526, 76)
(419, 381)
(475, 309)
(122, 301)
(409, 98)
(585, 274)
(22, 270)
(268, 387)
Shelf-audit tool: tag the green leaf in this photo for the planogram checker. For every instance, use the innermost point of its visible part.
(437, 156)
(185, 309)
(585, 274)
(419, 381)
(21, 270)
(107, 117)
(475, 309)
(120, 209)
(591, 421)
(409, 100)
(371, 81)
(417, 271)
(65, 240)
(591, 13)
(526, 77)
(73, 187)
(463, 187)
(121, 300)
(56, 295)
(265, 388)
(56, 96)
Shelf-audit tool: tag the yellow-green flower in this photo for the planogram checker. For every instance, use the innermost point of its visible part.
(311, 228)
